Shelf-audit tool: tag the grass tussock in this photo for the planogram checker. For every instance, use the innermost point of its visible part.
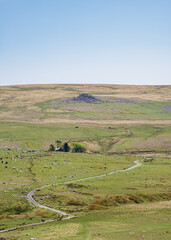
(17, 208)
(6, 216)
(74, 201)
(74, 185)
(7, 238)
(121, 199)
(135, 199)
(101, 203)
(43, 213)
(94, 206)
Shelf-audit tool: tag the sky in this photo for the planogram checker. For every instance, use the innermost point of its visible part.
(85, 41)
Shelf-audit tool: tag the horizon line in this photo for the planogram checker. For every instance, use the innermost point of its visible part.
(127, 84)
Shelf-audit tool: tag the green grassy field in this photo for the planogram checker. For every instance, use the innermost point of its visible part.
(121, 223)
(122, 205)
(120, 109)
(96, 138)
(127, 118)
(131, 123)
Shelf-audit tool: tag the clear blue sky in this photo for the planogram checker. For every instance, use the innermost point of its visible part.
(85, 41)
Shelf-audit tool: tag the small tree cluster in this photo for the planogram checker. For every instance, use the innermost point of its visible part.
(77, 147)
(64, 147)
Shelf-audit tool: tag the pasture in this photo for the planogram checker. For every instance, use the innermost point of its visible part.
(123, 204)
(125, 124)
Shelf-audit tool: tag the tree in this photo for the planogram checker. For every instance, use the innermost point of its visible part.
(58, 142)
(51, 147)
(66, 147)
(78, 147)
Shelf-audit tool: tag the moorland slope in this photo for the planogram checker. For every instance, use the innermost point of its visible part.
(118, 125)
(114, 118)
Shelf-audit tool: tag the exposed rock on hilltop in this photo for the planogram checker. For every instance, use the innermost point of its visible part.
(84, 97)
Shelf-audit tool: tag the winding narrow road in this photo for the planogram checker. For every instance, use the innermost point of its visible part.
(66, 215)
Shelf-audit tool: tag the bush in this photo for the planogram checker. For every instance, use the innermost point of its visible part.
(100, 201)
(51, 147)
(105, 201)
(94, 206)
(78, 147)
(74, 185)
(74, 201)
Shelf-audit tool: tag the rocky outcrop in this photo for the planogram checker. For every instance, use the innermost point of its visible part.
(86, 98)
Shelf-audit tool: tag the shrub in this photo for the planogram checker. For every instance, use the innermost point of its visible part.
(78, 147)
(94, 206)
(100, 201)
(105, 201)
(51, 147)
(74, 185)
(74, 201)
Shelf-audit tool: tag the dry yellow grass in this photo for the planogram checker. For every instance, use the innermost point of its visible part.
(19, 101)
(91, 146)
(21, 119)
(51, 91)
(161, 142)
(105, 122)
(150, 206)
(60, 231)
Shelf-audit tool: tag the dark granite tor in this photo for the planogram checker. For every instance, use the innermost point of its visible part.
(86, 98)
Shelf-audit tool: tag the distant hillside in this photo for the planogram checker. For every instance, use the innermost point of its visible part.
(105, 118)
(51, 103)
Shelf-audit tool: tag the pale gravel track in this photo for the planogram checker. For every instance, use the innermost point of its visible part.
(66, 215)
